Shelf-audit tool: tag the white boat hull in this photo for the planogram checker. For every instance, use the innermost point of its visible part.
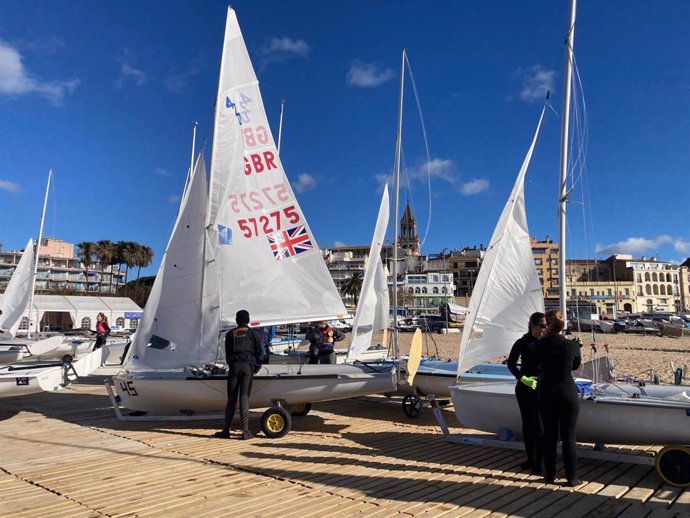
(436, 377)
(33, 377)
(175, 391)
(607, 419)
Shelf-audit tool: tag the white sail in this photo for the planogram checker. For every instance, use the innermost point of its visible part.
(507, 290)
(267, 258)
(382, 314)
(178, 327)
(18, 292)
(369, 309)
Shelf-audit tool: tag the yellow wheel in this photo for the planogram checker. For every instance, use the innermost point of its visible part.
(276, 422)
(673, 465)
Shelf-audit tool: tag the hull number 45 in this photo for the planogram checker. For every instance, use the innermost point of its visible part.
(128, 386)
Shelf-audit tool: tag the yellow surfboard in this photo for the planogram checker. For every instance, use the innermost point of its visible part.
(415, 356)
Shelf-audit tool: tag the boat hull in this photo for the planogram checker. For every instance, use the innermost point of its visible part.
(607, 419)
(436, 377)
(32, 377)
(174, 391)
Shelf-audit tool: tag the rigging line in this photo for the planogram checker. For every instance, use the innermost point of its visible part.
(426, 145)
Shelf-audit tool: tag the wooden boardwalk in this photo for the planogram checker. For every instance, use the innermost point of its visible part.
(64, 454)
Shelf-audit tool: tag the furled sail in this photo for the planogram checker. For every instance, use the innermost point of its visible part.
(507, 290)
(266, 256)
(18, 292)
(373, 300)
(180, 327)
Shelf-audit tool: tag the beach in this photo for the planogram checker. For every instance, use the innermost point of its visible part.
(633, 355)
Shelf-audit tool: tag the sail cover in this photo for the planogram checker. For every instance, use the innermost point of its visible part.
(507, 290)
(267, 258)
(179, 326)
(373, 300)
(18, 292)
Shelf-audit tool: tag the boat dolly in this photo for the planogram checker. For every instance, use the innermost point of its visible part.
(672, 462)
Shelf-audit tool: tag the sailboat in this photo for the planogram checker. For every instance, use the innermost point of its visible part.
(243, 244)
(506, 293)
(24, 369)
(611, 413)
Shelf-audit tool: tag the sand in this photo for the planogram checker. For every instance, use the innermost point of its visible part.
(633, 355)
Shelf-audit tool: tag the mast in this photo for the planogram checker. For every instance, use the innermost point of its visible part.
(396, 189)
(38, 250)
(565, 126)
(280, 123)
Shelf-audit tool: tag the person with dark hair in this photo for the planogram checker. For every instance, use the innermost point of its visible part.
(558, 398)
(243, 352)
(525, 390)
(102, 330)
(326, 343)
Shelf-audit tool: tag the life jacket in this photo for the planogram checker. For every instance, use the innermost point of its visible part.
(241, 345)
(327, 340)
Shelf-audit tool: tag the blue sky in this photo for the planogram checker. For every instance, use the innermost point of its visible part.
(105, 93)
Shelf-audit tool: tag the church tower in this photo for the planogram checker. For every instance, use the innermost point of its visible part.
(409, 240)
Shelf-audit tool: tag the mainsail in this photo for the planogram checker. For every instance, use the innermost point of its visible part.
(373, 302)
(18, 292)
(266, 256)
(507, 290)
(179, 326)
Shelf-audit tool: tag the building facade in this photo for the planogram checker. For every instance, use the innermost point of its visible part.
(59, 271)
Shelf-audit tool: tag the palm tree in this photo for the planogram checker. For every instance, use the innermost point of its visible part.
(105, 251)
(85, 252)
(142, 259)
(129, 251)
(353, 285)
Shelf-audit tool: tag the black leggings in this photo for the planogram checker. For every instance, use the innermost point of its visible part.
(240, 376)
(531, 423)
(559, 407)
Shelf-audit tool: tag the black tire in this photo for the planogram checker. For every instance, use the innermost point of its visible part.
(276, 422)
(673, 465)
(300, 410)
(412, 406)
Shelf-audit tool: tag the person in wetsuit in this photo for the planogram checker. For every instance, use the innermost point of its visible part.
(243, 352)
(558, 398)
(525, 390)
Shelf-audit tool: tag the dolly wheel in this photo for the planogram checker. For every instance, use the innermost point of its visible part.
(300, 410)
(412, 406)
(276, 422)
(673, 465)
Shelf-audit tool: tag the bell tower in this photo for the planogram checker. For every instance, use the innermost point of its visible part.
(409, 240)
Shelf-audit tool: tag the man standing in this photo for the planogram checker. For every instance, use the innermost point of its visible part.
(243, 352)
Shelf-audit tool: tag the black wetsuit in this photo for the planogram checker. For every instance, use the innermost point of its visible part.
(524, 350)
(243, 352)
(314, 336)
(558, 401)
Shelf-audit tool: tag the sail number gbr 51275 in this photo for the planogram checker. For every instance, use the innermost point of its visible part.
(268, 223)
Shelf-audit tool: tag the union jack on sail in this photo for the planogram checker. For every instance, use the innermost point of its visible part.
(290, 242)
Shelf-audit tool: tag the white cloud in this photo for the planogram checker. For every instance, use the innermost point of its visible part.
(367, 75)
(15, 80)
(474, 186)
(8, 186)
(128, 72)
(160, 171)
(174, 198)
(176, 81)
(279, 50)
(339, 243)
(305, 182)
(536, 81)
(641, 245)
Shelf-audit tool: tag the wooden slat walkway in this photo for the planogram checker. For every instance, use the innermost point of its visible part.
(64, 454)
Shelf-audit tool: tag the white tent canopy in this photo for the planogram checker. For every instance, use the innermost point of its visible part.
(61, 312)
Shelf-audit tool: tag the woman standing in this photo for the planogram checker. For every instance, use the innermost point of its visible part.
(102, 330)
(524, 350)
(558, 398)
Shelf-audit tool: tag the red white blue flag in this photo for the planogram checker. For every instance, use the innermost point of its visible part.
(290, 242)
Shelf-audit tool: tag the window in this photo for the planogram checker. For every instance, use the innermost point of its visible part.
(627, 292)
(662, 290)
(537, 261)
(648, 289)
(670, 290)
(654, 277)
(668, 277)
(639, 277)
(444, 290)
(120, 322)
(646, 277)
(424, 289)
(86, 323)
(655, 289)
(24, 324)
(435, 290)
(133, 324)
